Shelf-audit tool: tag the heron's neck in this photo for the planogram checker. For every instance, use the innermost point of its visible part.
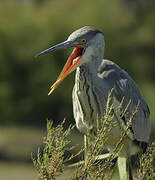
(93, 59)
(87, 72)
(91, 66)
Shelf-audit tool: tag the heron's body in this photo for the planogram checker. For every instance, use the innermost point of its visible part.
(95, 78)
(90, 98)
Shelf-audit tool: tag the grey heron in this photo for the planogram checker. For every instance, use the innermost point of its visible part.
(95, 77)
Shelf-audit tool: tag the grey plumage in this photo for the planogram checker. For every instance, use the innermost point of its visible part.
(94, 80)
(89, 99)
(129, 91)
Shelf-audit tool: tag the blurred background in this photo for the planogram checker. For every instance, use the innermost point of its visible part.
(30, 26)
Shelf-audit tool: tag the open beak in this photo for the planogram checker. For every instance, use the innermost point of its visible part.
(72, 63)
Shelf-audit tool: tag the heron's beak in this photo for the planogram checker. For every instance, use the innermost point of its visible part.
(72, 63)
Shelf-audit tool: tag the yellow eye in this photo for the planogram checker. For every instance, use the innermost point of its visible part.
(83, 40)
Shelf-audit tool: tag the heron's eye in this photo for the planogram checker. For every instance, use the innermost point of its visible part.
(83, 40)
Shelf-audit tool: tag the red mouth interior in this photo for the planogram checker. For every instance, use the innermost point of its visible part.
(70, 65)
(77, 52)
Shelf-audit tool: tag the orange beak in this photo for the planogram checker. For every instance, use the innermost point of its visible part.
(72, 63)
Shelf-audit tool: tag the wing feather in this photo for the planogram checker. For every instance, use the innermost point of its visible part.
(125, 87)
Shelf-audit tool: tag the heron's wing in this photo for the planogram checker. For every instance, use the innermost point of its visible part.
(125, 87)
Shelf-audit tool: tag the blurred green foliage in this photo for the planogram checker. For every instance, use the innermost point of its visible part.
(27, 28)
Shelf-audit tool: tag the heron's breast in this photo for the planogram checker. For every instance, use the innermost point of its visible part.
(87, 106)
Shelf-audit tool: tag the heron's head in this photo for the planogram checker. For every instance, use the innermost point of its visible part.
(87, 43)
